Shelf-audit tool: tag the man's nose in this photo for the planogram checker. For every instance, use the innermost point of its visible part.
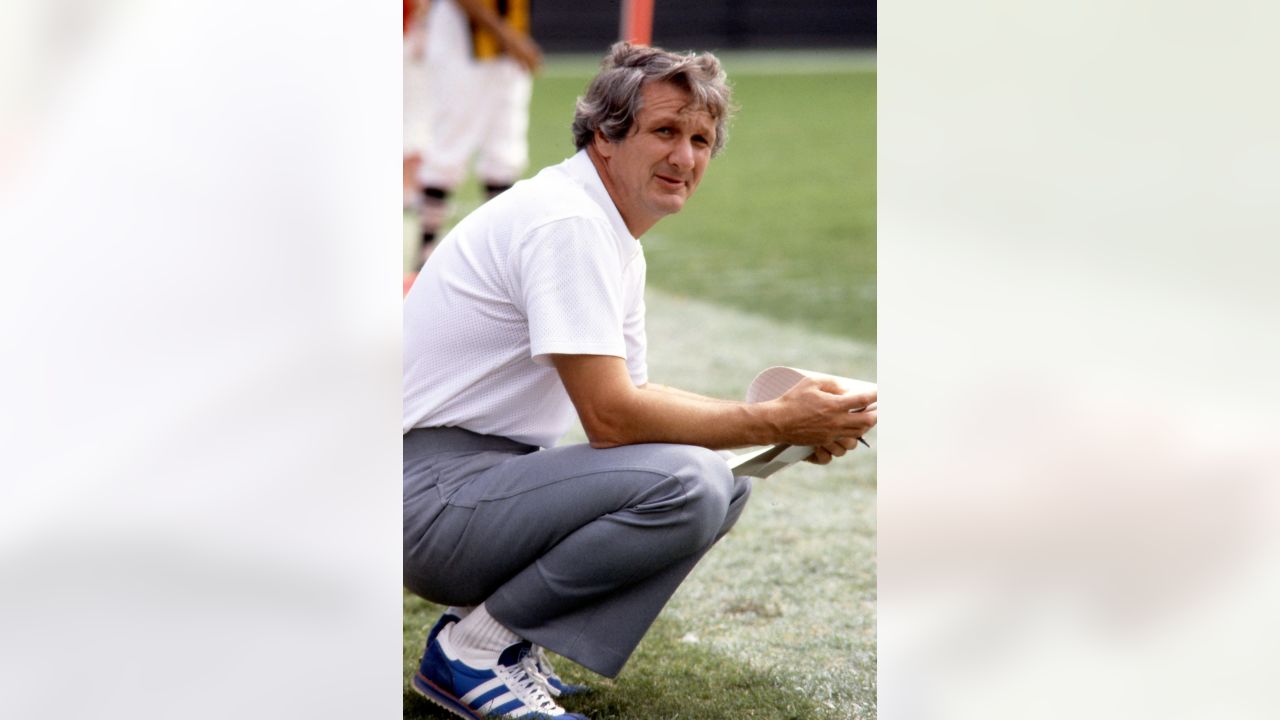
(681, 155)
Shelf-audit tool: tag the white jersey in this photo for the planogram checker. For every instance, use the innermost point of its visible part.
(547, 267)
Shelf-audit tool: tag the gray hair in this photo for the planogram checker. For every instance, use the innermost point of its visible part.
(613, 98)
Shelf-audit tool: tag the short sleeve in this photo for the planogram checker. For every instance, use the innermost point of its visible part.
(568, 278)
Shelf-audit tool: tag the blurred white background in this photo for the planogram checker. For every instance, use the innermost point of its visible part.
(1078, 346)
(199, 509)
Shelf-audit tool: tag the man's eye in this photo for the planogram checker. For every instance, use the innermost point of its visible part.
(700, 140)
(664, 131)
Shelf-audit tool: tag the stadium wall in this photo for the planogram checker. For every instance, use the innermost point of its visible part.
(574, 26)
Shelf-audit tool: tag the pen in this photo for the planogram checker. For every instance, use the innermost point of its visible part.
(872, 406)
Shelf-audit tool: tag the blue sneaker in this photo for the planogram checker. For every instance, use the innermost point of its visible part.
(539, 666)
(504, 691)
(445, 620)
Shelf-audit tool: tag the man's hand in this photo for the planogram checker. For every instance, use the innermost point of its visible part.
(826, 453)
(821, 414)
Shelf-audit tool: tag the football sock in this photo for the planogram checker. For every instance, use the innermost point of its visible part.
(435, 207)
(492, 190)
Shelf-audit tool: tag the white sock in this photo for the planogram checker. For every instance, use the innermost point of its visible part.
(477, 640)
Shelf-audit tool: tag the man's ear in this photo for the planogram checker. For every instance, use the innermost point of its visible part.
(604, 148)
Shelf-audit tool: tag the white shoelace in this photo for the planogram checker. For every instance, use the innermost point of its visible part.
(528, 688)
(535, 663)
(540, 659)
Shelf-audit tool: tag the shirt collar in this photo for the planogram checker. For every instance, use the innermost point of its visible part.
(580, 168)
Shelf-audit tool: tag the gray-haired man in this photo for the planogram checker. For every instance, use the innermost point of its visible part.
(531, 309)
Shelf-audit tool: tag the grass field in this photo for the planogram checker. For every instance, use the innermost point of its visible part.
(773, 262)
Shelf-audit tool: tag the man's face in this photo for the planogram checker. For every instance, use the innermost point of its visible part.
(653, 170)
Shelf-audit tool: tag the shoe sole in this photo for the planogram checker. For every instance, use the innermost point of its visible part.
(428, 690)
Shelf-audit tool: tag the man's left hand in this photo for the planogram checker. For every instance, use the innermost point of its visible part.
(826, 453)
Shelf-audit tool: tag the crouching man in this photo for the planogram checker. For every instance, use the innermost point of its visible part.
(530, 310)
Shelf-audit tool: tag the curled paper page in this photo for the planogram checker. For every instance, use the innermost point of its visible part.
(769, 385)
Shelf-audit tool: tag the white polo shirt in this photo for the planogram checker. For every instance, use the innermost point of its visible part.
(546, 267)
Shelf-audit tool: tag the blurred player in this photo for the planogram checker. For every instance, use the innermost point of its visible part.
(416, 94)
(480, 61)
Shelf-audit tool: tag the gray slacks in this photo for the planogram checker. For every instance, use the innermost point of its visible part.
(574, 548)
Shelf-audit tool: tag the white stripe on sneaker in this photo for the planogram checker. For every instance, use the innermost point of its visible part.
(481, 689)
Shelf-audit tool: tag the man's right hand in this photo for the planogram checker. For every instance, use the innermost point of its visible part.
(818, 412)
